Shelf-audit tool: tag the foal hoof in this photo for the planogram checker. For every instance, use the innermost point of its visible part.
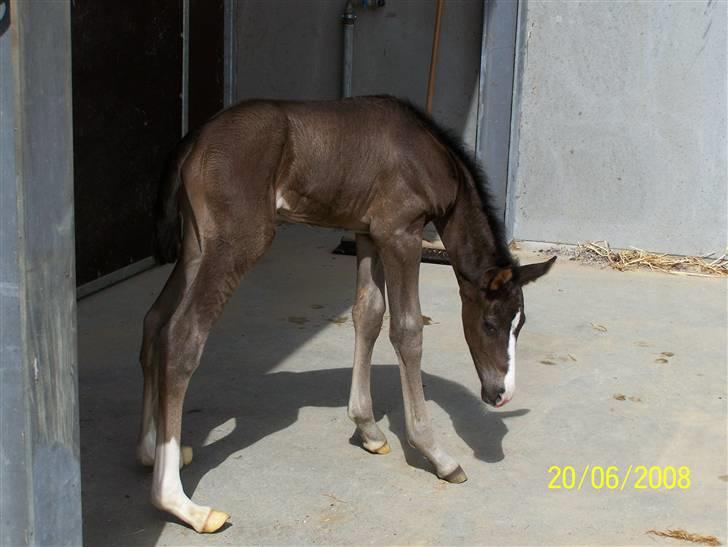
(456, 477)
(214, 521)
(186, 453)
(382, 449)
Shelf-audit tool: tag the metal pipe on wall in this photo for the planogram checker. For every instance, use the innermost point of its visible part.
(229, 54)
(349, 18)
(431, 236)
(433, 57)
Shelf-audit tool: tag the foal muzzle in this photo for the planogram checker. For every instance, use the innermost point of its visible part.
(494, 397)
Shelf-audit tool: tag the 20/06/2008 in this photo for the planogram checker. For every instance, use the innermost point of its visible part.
(598, 477)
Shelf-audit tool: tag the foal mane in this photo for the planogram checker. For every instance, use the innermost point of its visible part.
(465, 160)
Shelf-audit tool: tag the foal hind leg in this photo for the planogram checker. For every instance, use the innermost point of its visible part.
(155, 319)
(367, 314)
(181, 342)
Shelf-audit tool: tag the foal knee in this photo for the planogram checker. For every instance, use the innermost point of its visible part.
(368, 310)
(405, 330)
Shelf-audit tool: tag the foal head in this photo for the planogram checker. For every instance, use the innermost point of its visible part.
(492, 318)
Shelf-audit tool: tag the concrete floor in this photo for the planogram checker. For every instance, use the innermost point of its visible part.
(266, 412)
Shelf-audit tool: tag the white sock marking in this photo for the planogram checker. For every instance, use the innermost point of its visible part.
(167, 483)
(510, 380)
(167, 493)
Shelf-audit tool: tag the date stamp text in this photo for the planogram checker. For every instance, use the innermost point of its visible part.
(636, 477)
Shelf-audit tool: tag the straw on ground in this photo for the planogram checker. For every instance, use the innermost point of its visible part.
(634, 259)
(684, 535)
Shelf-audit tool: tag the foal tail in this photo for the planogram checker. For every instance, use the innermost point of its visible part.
(167, 219)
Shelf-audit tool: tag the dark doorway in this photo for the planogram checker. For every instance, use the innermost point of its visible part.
(207, 42)
(127, 80)
(127, 115)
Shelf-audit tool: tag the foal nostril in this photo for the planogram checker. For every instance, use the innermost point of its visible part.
(493, 396)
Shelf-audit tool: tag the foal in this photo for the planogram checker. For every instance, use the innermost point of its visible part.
(372, 165)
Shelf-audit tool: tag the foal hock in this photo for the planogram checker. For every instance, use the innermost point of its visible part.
(373, 165)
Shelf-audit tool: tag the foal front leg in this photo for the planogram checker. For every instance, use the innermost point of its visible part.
(401, 256)
(367, 314)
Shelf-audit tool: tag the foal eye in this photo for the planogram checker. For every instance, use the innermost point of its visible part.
(489, 328)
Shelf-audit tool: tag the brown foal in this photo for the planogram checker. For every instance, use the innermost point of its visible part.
(373, 165)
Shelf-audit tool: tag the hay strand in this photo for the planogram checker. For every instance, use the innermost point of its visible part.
(684, 535)
(635, 259)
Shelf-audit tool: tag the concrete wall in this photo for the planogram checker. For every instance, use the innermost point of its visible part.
(40, 476)
(622, 131)
(294, 51)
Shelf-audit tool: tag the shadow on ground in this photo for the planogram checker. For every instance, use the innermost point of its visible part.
(262, 405)
(273, 401)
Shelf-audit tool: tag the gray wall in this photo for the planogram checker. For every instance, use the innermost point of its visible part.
(40, 484)
(291, 49)
(622, 128)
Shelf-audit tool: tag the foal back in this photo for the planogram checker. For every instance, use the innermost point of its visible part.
(364, 164)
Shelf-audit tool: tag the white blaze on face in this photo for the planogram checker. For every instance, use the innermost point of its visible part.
(510, 379)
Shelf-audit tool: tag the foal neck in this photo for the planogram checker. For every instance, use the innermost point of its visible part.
(472, 237)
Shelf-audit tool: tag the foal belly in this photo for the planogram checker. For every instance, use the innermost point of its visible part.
(293, 208)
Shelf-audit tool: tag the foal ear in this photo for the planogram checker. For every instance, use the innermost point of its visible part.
(531, 272)
(499, 278)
